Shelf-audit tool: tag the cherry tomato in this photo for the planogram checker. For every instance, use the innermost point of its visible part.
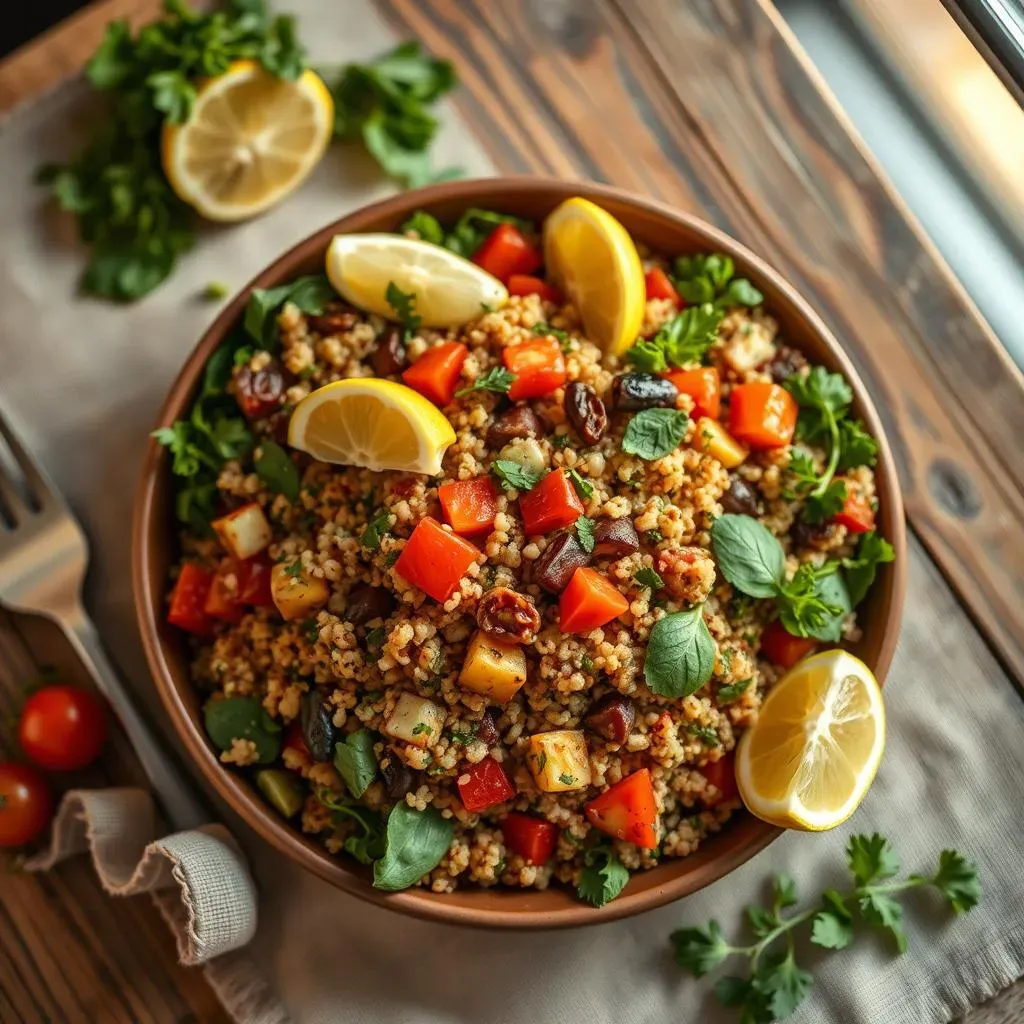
(62, 728)
(25, 804)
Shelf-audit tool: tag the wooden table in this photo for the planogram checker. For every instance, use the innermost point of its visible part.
(712, 106)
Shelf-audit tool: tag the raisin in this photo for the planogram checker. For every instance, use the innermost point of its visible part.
(586, 412)
(397, 776)
(487, 730)
(389, 357)
(611, 717)
(506, 615)
(615, 538)
(366, 603)
(786, 363)
(740, 499)
(335, 319)
(260, 392)
(518, 422)
(559, 560)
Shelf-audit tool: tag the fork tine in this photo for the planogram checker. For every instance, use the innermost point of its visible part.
(38, 486)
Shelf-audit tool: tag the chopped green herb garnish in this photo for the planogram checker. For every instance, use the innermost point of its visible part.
(647, 577)
(708, 736)
(548, 331)
(375, 640)
(560, 441)
(654, 433)
(685, 339)
(566, 779)
(603, 876)
(585, 533)
(709, 278)
(584, 488)
(295, 569)
(404, 306)
(375, 530)
(497, 379)
(731, 691)
(511, 474)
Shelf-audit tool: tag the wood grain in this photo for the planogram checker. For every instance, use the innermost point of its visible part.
(68, 952)
(716, 110)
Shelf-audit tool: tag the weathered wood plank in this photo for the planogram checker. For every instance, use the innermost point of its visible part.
(710, 106)
(68, 952)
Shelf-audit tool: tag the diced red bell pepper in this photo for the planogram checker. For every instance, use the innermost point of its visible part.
(534, 840)
(435, 560)
(469, 505)
(857, 515)
(779, 646)
(539, 367)
(722, 775)
(525, 284)
(628, 810)
(293, 738)
(762, 415)
(188, 600)
(254, 581)
(484, 784)
(222, 599)
(704, 386)
(435, 374)
(552, 504)
(589, 600)
(659, 286)
(507, 251)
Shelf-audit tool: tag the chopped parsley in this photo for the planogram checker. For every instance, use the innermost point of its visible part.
(375, 530)
(707, 735)
(584, 488)
(497, 379)
(375, 641)
(554, 332)
(560, 441)
(731, 691)
(511, 474)
(295, 569)
(404, 305)
(566, 779)
(419, 728)
(647, 577)
(585, 532)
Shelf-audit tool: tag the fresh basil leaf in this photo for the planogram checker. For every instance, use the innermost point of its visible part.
(275, 468)
(511, 474)
(831, 591)
(242, 718)
(356, 761)
(654, 433)
(749, 556)
(680, 654)
(416, 842)
(603, 876)
(367, 842)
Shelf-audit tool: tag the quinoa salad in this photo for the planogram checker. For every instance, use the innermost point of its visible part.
(530, 666)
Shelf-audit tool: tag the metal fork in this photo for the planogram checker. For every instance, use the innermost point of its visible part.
(43, 559)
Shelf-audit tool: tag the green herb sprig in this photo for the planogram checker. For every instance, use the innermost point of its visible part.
(496, 379)
(709, 278)
(512, 475)
(654, 433)
(404, 306)
(469, 231)
(685, 339)
(775, 985)
(603, 876)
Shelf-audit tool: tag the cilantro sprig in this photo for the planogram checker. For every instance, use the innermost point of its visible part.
(496, 379)
(775, 984)
(404, 306)
(684, 339)
(603, 876)
(824, 399)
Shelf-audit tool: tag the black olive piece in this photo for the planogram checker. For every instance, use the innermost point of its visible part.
(643, 391)
(318, 725)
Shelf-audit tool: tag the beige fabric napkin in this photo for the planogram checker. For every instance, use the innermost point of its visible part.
(83, 381)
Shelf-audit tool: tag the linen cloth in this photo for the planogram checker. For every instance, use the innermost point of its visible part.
(83, 380)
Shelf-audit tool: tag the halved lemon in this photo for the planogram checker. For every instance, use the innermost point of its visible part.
(808, 760)
(594, 261)
(377, 424)
(251, 139)
(448, 290)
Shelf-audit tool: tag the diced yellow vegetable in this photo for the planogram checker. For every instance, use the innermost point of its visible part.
(711, 437)
(746, 351)
(244, 532)
(493, 668)
(525, 452)
(559, 760)
(297, 594)
(415, 720)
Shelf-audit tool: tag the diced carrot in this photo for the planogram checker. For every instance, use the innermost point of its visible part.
(552, 504)
(857, 514)
(188, 600)
(779, 646)
(659, 286)
(483, 785)
(507, 251)
(539, 367)
(435, 560)
(534, 840)
(703, 385)
(469, 505)
(436, 373)
(762, 415)
(525, 284)
(628, 810)
(590, 600)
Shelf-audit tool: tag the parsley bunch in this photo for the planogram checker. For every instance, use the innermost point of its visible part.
(126, 210)
(684, 339)
(775, 984)
(708, 277)
(824, 399)
(468, 232)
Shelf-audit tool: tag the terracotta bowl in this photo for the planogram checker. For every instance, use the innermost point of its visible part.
(155, 547)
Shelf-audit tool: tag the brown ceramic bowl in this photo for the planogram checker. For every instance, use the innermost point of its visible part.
(154, 548)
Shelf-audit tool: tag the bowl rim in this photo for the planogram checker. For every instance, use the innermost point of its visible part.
(148, 521)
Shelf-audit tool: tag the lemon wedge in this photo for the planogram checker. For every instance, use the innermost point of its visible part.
(594, 261)
(376, 424)
(251, 139)
(448, 289)
(808, 760)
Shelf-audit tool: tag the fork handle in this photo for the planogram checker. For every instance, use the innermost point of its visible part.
(180, 807)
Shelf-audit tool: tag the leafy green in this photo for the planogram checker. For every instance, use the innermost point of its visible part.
(415, 844)
(356, 761)
(654, 433)
(366, 843)
(824, 399)
(426, 226)
(814, 602)
(546, 330)
(603, 876)
(375, 530)
(685, 339)
(647, 577)
(583, 487)
(310, 294)
(387, 104)
(511, 474)
(404, 306)
(585, 532)
(275, 468)
(733, 691)
(680, 654)
(126, 210)
(496, 379)
(475, 225)
(775, 984)
(860, 570)
(708, 277)
(242, 718)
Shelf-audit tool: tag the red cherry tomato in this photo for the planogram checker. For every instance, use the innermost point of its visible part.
(722, 775)
(62, 728)
(25, 804)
